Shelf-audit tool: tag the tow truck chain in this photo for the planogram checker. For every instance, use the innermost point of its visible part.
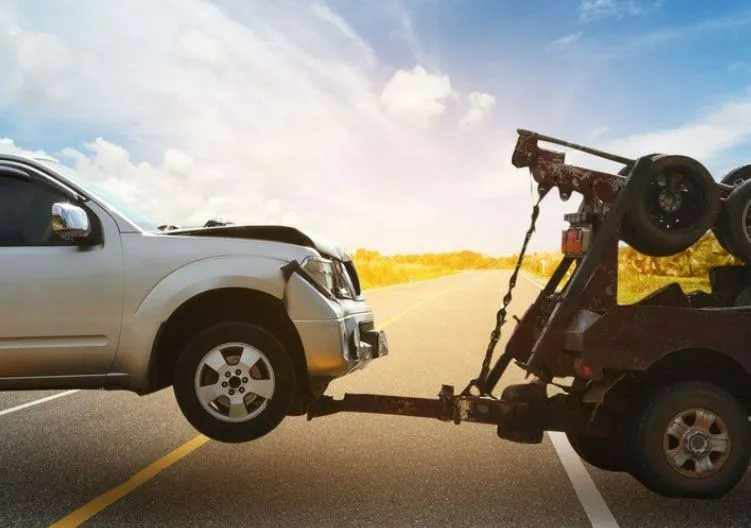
(500, 318)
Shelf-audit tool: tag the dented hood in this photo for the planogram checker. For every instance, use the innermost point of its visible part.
(273, 233)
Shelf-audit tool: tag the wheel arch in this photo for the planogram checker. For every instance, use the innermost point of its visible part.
(701, 364)
(218, 305)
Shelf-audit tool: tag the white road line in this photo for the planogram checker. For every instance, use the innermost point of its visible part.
(36, 402)
(594, 505)
(589, 496)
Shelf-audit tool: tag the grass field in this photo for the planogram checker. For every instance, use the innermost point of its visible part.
(634, 278)
(634, 287)
(377, 270)
(638, 274)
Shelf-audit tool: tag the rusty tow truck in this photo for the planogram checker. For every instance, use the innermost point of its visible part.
(659, 388)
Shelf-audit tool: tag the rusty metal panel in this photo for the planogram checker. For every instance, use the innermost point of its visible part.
(633, 337)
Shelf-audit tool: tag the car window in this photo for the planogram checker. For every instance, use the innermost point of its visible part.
(26, 213)
(101, 194)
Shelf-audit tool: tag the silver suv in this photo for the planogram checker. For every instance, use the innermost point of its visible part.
(249, 324)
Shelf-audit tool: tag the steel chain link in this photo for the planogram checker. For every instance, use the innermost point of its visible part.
(500, 317)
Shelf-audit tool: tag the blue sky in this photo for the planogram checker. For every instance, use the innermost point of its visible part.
(385, 124)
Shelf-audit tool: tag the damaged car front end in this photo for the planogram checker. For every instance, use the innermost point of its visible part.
(322, 296)
(336, 325)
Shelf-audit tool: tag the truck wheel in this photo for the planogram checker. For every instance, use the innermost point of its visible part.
(628, 234)
(735, 177)
(234, 382)
(692, 440)
(679, 205)
(604, 453)
(736, 222)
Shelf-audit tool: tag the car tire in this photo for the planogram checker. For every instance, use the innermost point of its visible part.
(604, 453)
(677, 446)
(668, 219)
(736, 222)
(735, 177)
(217, 376)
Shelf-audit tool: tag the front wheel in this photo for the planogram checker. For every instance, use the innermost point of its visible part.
(692, 440)
(234, 382)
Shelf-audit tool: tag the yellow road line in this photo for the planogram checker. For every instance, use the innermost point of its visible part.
(413, 307)
(412, 283)
(87, 511)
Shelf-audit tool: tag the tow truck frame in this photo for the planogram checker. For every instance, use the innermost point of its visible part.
(575, 328)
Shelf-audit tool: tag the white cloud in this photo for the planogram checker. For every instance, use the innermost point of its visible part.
(480, 106)
(176, 187)
(704, 29)
(196, 48)
(596, 9)
(42, 63)
(566, 40)
(290, 218)
(272, 206)
(596, 133)
(739, 66)
(8, 146)
(416, 96)
(592, 10)
(704, 138)
(263, 113)
(325, 13)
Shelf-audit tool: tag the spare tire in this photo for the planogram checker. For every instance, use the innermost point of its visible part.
(678, 205)
(735, 177)
(736, 222)
(627, 234)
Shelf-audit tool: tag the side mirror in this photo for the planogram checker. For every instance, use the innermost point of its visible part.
(70, 222)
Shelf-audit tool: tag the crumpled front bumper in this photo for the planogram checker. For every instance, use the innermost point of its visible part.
(338, 336)
(335, 348)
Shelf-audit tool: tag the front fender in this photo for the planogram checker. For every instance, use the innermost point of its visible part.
(141, 326)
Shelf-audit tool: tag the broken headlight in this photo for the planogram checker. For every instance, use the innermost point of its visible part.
(321, 271)
(344, 286)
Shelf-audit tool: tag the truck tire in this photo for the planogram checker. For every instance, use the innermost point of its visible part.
(628, 234)
(603, 453)
(234, 382)
(679, 205)
(736, 222)
(692, 440)
(735, 177)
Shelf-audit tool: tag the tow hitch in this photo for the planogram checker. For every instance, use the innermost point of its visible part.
(522, 413)
(517, 420)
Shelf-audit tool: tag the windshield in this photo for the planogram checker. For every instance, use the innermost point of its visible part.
(112, 201)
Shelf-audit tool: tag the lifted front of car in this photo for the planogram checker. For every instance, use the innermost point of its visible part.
(267, 357)
(293, 320)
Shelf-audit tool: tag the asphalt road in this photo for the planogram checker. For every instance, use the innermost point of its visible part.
(65, 454)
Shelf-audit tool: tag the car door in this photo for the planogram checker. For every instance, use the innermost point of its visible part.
(60, 304)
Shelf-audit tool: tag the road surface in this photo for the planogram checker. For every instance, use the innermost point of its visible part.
(113, 458)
